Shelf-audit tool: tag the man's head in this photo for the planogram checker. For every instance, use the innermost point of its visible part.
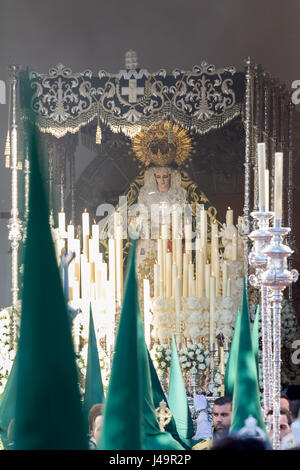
(222, 412)
(285, 422)
(95, 421)
(163, 180)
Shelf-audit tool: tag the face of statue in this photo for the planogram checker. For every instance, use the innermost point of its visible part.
(163, 179)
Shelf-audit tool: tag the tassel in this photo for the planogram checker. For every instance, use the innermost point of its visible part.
(7, 151)
(98, 134)
(171, 136)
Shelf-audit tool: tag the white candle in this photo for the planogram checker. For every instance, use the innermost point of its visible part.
(62, 224)
(70, 238)
(234, 246)
(185, 274)
(188, 239)
(85, 223)
(201, 275)
(164, 232)
(203, 231)
(207, 281)
(197, 256)
(278, 187)
(112, 264)
(168, 274)
(191, 278)
(147, 311)
(229, 217)
(156, 279)
(212, 302)
(213, 245)
(160, 257)
(95, 232)
(261, 160)
(224, 280)
(85, 232)
(228, 288)
(267, 189)
(175, 226)
(177, 310)
(217, 272)
(119, 264)
(174, 278)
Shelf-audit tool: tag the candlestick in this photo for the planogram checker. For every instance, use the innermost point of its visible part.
(261, 159)
(278, 188)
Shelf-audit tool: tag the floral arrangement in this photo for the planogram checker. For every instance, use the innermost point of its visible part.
(163, 319)
(194, 358)
(81, 360)
(161, 356)
(7, 354)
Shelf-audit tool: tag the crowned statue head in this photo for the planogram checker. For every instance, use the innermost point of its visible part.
(160, 148)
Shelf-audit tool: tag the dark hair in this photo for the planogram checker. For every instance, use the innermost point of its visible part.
(283, 395)
(295, 408)
(283, 411)
(239, 443)
(223, 401)
(96, 410)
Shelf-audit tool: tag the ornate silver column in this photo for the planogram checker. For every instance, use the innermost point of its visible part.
(277, 277)
(14, 224)
(247, 164)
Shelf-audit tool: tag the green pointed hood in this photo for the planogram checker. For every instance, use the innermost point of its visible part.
(230, 370)
(177, 397)
(154, 438)
(246, 399)
(48, 403)
(123, 415)
(255, 337)
(94, 392)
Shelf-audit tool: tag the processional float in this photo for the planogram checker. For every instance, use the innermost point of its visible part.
(199, 100)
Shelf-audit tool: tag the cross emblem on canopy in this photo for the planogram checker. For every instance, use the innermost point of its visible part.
(133, 91)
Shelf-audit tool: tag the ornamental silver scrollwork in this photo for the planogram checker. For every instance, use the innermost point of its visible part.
(204, 92)
(200, 99)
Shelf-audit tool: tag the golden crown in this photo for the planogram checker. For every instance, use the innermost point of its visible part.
(162, 144)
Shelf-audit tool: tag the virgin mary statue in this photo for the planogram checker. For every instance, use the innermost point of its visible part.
(162, 188)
